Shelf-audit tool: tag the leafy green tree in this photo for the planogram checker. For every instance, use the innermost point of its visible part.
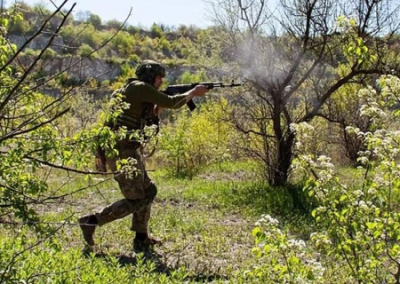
(27, 135)
(122, 44)
(114, 24)
(299, 45)
(34, 142)
(18, 26)
(156, 31)
(41, 9)
(342, 111)
(85, 50)
(132, 30)
(95, 20)
(356, 240)
(359, 236)
(165, 45)
(82, 16)
(187, 31)
(190, 77)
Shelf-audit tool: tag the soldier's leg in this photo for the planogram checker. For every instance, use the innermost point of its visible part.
(139, 191)
(116, 210)
(140, 220)
(142, 241)
(119, 209)
(134, 200)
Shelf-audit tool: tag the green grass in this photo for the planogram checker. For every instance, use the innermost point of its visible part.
(350, 175)
(205, 224)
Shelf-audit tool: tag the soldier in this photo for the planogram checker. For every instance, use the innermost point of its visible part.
(145, 101)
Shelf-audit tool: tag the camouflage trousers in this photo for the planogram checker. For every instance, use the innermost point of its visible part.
(137, 188)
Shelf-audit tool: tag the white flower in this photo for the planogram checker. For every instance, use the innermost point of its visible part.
(269, 220)
(299, 244)
(358, 193)
(364, 160)
(363, 205)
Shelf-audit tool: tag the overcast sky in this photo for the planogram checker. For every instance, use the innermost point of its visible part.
(144, 12)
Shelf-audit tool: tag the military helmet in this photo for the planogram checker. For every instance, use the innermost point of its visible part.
(148, 70)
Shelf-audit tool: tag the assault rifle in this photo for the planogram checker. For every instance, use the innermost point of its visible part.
(180, 89)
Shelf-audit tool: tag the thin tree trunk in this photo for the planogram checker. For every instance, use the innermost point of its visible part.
(283, 160)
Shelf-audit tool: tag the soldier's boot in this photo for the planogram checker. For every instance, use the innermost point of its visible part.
(143, 242)
(88, 226)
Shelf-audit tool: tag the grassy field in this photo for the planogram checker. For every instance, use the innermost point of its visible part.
(205, 225)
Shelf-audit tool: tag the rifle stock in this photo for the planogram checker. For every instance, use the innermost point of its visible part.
(180, 89)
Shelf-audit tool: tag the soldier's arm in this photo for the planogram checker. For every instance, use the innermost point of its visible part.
(162, 100)
(151, 95)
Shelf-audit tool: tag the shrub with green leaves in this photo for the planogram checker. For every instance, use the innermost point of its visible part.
(156, 30)
(357, 240)
(49, 54)
(282, 258)
(198, 139)
(188, 77)
(85, 50)
(48, 262)
(32, 142)
(359, 235)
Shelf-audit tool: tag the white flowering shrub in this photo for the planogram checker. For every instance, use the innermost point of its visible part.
(282, 259)
(360, 222)
(357, 240)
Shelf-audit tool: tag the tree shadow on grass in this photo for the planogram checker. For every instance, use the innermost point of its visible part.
(160, 266)
(260, 198)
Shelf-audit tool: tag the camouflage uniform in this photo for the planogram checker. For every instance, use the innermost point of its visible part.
(139, 190)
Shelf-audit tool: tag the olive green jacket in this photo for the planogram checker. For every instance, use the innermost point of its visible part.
(142, 97)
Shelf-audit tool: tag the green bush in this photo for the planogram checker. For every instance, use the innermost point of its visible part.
(31, 52)
(85, 50)
(197, 140)
(49, 54)
(358, 234)
(114, 24)
(122, 44)
(69, 266)
(76, 35)
(165, 45)
(134, 58)
(188, 77)
(105, 83)
(156, 31)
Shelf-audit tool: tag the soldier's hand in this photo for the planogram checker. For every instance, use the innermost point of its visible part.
(199, 90)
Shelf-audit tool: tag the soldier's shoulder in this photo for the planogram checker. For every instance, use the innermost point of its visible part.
(138, 85)
(132, 82)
